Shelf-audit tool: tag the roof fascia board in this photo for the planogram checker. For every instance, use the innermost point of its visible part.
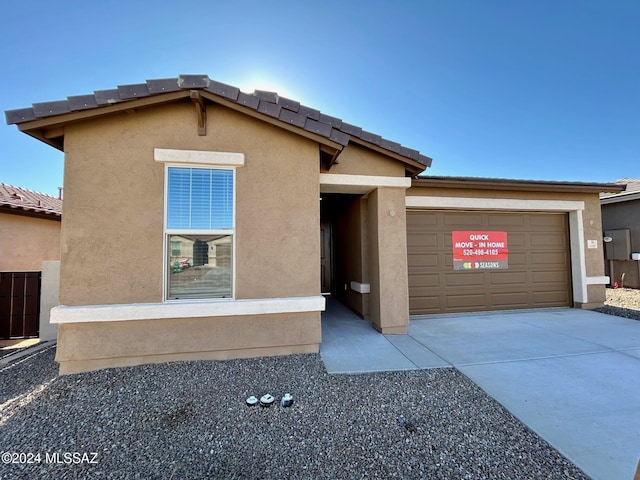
(28, 212)
(620, 198)
(58, 120)
(533, 186)
(413, 167)
(38, 128)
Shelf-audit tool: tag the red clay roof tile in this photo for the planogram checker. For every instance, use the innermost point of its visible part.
(29, 201)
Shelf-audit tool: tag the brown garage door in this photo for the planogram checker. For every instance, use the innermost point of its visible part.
(538, 274)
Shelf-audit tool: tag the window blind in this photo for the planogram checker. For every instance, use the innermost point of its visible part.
(199, 199)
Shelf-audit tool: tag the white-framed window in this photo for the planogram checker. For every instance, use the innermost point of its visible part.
(199, 231)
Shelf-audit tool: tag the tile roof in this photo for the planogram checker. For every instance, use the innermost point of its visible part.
(28, 201)
(268, 103)
(632, 191)
(633, 184)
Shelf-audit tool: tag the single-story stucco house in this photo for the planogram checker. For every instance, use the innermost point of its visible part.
(621, 225)
(202, 222)
(29, 248)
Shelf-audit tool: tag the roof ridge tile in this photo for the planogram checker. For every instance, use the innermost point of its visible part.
(194, 81)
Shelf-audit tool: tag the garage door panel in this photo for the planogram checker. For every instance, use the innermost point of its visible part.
(550, 220)
(556, 277)
(423, 260)
(431, 280)
(550, 298)
(461, 301)
(505, 277)
(463, 220)
(510, 299)
(430, 304)
(538, 273)
(550, 241)
(549, 258)
(496, 221)
(422, 240)
(517, 260)
(427, 221)
(466, 279)
(516, 239)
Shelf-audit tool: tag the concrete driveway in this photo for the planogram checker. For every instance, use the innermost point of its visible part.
(572, 376)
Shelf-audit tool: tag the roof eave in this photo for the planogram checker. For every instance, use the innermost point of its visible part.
(42, 128)
(46, 129)
(30, 212)
(520, 185)
(412, 167)
(620, 198)
(46, 121)
(217, 99)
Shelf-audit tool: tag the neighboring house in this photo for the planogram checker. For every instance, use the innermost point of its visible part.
(29, 242)
(29, 228)
(202, 222)
(621, 224)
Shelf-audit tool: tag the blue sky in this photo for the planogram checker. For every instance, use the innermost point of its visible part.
(538, 89)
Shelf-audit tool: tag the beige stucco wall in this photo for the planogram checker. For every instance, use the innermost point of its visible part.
(388, 271)
(591, 224)
(594, 257)
(82, 346)
(357, 160)
(351, 239)
(112, 240)
(112, 237)
(357, 235)
(25, 242)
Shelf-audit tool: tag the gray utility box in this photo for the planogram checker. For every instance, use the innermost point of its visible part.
(619, 248)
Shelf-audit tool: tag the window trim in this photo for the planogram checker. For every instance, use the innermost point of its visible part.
(166, 232)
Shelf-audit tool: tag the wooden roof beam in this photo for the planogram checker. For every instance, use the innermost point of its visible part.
(201, 112)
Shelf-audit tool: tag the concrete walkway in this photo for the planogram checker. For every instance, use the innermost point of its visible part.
(572, 376)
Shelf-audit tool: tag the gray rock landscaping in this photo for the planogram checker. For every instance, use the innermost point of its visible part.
(190, 420)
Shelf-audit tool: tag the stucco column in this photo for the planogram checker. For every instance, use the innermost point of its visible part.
(389, 299)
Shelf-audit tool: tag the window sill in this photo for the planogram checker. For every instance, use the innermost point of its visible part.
(185, 309)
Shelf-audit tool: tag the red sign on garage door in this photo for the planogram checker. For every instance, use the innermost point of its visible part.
(480, 250)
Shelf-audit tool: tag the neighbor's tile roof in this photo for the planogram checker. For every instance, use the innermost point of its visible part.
(632, 192)
(268, 103)
(29, 201)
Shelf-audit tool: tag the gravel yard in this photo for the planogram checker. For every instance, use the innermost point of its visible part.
(623, 302)
(189, 420)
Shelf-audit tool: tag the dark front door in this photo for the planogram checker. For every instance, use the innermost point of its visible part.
(326, 270)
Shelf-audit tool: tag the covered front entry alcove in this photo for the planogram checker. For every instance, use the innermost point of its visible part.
(363, 249)
(344, 250)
